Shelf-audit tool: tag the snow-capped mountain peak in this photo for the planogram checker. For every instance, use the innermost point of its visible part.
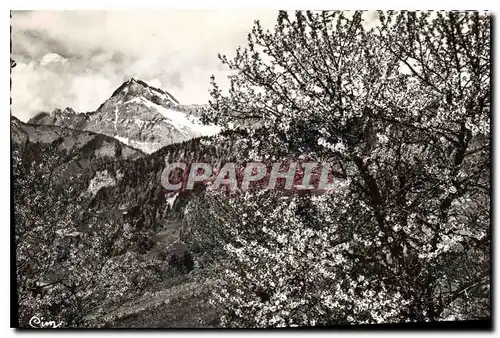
(134, 88)
(139, 115)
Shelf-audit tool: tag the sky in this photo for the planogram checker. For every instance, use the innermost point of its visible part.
(78, 58)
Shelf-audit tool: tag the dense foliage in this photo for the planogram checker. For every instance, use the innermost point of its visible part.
(403, 109)
(76, 260)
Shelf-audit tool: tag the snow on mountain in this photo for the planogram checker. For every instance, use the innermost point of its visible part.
(178, 119)
(138, 115)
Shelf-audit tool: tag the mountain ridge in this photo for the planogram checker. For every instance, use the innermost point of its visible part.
(139, 115)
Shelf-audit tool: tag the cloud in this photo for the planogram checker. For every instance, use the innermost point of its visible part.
(52, 57)
(78, 58)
